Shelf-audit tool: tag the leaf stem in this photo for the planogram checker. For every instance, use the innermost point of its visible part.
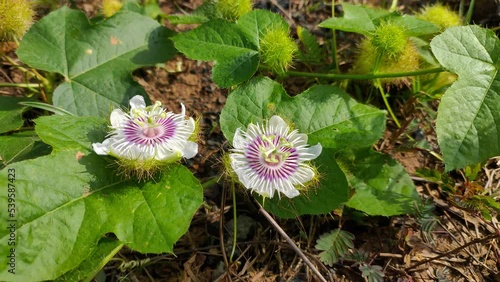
(20, 85)
(394, 6)
(468, 17)
(382, 92)
(364, 76)
(235, 226)
(335, 62)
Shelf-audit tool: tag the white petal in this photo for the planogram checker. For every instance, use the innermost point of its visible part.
(190, 150)
(117, 118)
(137, 102)
(289, 190)
(238, 139)
(183, 110)
(297, 139)
(303, 174)
(100, 148)
(315, 151)
(278, 125)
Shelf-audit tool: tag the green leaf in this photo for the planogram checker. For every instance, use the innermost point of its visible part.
(21, 146)
(325, 113)
(11, 113)
(415, 26)
(334, 246)
(88, 269)
(70, 132)
(311, 53)
(95, 60)
(258, 22)
(365, 20)
(468, 122)
(382, 185)
(236, 56)
(359, 19)
(233, 46)
(67, 201)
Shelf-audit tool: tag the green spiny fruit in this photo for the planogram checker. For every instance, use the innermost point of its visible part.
(440, 15)
(277, 50)
(390, 39)
(233, 9)
(15, 19)
(407, 60)
(110, 7)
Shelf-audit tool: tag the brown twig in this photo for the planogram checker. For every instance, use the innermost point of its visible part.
(291, 243)
(476, 241)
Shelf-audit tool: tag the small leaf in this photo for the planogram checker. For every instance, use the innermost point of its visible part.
(312, 52)
(95, 60)
(11, 113)
(373, 273)
(365, 20)
(21, 146)
(359, 19)
(382, 185)
(334, 246)
(468, 122)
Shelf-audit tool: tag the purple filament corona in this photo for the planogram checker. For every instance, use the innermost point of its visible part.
(149, 134)
(285, 164)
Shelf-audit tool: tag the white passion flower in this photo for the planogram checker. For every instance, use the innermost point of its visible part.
(268, 158)
(148, 137)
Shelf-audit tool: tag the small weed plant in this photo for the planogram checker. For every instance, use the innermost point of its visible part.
(100, 168)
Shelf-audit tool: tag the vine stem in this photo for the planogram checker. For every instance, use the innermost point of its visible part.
(235, 226)
(389, 109)
(335, 62)
(364, 76)
(20, 85)
(290, 242)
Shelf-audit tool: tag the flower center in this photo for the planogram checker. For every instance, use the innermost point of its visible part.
(150, 130)
(274, 150)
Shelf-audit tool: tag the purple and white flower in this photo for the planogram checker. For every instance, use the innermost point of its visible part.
(149, 134)
(268, 158)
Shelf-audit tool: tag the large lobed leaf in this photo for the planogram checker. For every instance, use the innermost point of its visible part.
(95, 60)
(67, 201)
(327, 115)
(234, 47)
(468, 122)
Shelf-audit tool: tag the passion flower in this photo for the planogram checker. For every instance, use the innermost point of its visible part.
(269, 159)
(148, 137)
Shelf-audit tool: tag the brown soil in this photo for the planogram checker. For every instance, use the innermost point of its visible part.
(463, 245)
